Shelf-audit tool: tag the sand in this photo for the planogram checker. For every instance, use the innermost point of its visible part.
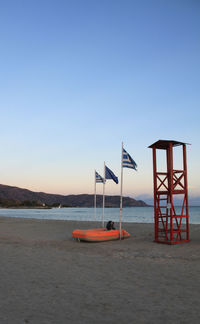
(46, 277)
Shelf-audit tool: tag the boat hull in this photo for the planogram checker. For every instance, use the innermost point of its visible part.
(99, 235)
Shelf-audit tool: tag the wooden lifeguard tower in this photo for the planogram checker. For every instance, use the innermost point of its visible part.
(171, 223)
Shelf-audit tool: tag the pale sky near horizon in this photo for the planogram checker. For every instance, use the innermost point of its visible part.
(79, 77)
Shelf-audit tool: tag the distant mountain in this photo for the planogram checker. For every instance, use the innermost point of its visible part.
(20, 195)
(148, 199)
(194, 201)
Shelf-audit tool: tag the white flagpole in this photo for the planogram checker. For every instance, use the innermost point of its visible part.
(121, 194)
(95, 196)
(104, 182)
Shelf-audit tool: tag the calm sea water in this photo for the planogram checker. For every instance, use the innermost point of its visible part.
(130, 215)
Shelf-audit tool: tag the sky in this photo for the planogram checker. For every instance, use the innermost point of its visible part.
(79, 77)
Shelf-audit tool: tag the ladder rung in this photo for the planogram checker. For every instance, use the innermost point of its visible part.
(181, 231)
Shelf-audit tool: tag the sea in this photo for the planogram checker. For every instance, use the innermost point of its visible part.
(129, 215)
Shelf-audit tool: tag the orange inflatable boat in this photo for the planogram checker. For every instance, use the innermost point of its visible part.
(98, 235)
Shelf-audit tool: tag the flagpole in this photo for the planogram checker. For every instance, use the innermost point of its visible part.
(104, 182)
(120, 223)
(95, 196)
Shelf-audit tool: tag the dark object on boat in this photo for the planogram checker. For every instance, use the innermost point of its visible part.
(110, 226)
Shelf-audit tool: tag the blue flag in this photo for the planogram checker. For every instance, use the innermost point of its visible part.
(127, 161)
(99, 179)
(110, 175)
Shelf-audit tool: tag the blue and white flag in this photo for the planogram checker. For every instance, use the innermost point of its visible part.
(110, 175)
(99, 179)
(127, 161)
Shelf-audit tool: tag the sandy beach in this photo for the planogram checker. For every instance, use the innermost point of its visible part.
(47, 277)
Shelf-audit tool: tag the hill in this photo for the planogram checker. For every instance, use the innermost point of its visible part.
(18, 195)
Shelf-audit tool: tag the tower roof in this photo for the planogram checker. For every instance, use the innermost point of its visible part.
(164, 144)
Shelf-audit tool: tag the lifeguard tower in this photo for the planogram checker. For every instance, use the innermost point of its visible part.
(171, 222)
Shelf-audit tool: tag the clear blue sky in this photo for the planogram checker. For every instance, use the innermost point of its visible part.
(78, 77)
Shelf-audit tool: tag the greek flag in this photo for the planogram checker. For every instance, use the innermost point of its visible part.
(110, 175)
(99, 179)
(127, 161)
